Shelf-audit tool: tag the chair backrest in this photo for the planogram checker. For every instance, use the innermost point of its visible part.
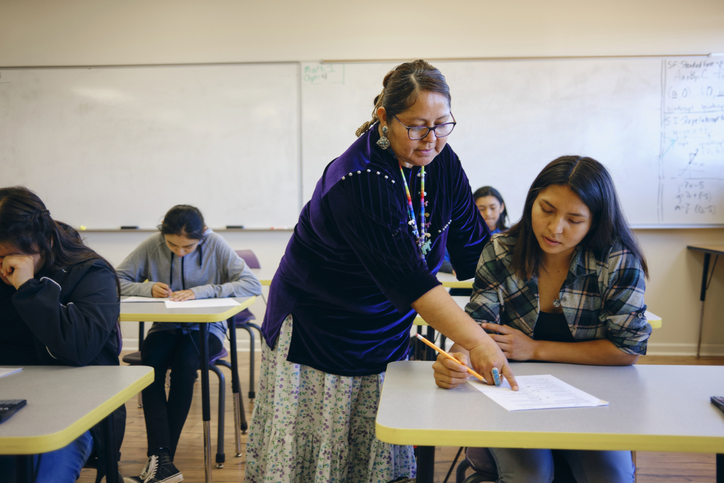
(249, 257)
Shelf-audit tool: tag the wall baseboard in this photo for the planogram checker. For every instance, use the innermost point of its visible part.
(707, 350)
(654, 349)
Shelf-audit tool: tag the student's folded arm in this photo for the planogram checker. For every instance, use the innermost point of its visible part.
(485, 301)
(73, 333)
(132, 274)
(624, 308)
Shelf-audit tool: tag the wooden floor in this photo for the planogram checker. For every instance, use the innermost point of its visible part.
(651, 467)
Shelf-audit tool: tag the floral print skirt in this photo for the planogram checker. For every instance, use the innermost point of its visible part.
(310, 426)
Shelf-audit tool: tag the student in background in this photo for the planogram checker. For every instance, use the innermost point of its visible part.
(360, 264)
(492, 208)
(185, 261)
(59, 305)
(565, 284)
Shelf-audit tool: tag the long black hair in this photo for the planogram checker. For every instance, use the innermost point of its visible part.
(490, 191)
(26, 224)
(592, 183)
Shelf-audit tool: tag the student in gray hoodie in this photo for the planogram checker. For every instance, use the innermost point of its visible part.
(184, 261)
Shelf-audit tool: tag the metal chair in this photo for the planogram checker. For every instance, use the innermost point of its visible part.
(243, 320)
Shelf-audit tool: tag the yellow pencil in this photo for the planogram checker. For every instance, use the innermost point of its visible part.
(433, 346)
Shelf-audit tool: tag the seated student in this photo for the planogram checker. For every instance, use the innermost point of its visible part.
(59, 305)
(185, 261)
(492, 208)
(565, 284)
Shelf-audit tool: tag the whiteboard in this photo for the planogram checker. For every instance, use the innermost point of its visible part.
(246, 143)
(657, 124)
(111, 146)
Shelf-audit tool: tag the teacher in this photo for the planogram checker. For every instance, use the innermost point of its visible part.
(360, 264)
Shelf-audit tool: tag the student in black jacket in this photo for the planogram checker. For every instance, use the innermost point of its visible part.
(59, 305)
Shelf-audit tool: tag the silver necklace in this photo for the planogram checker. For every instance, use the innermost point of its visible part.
(556, 301)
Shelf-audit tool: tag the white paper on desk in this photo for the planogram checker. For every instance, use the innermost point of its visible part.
(201, 303)
(538, 392)
(6, 371)
(134, 299)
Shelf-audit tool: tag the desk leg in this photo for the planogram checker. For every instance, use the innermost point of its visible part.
(111, 450)
(429, 352)
(24, 468)
(720, 468)
(702, 298)
(205, 400)
(425, 464)
(239, 417)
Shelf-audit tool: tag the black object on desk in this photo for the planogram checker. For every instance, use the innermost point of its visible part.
(8, 407)
(718, 401)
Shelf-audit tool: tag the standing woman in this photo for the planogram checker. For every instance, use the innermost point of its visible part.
(492, 208)
(565, 284)
(362, 260)
(184, 261)
(59, 305)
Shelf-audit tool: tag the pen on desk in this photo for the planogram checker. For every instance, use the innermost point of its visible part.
(433, 346)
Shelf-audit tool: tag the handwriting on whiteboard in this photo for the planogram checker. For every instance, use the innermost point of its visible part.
(319, 74)
(691, 166)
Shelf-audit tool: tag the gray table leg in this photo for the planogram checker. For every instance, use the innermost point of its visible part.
(205, 399)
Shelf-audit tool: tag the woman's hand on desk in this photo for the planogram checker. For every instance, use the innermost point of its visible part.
(514, 343)
(486, 356)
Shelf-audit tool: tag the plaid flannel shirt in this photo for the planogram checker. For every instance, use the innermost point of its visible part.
(602, 298)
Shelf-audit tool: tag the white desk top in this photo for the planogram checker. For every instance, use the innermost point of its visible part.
(651, 408)
(157, 312)
(64, 402)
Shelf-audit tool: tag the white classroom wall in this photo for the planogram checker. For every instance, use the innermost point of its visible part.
(136, 32)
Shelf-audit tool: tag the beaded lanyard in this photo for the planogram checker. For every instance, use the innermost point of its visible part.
(421, 236)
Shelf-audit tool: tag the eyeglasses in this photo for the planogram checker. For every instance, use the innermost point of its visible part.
(415, 133)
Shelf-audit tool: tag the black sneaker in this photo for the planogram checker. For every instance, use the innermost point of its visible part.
(151, 465)
(163, 471)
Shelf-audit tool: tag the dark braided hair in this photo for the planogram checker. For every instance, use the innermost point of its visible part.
(401, 86)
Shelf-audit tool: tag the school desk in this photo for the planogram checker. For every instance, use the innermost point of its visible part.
(651, 408)
(63, 403)
(157, 312)
(708, 250)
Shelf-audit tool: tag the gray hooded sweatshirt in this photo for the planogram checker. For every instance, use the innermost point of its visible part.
(212, 270)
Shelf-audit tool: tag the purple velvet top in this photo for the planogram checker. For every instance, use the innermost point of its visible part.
(352, 268)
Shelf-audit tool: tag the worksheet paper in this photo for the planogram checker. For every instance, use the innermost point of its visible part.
(201, 303)
(6, 371)
(537, 392)
(135, 299)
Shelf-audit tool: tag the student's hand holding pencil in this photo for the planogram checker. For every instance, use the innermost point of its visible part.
(452, 369)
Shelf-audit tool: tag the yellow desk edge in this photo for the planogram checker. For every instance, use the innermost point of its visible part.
(51, 442)
(533, 439)
(195, 318)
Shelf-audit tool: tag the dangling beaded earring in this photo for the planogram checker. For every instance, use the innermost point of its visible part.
(383, 142)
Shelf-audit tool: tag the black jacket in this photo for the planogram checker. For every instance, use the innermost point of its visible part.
(64, 317)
